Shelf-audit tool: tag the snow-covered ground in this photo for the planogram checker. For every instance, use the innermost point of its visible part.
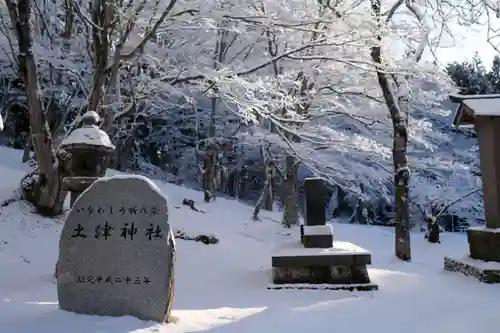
(222, 288)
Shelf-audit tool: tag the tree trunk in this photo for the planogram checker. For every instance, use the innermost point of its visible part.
(69, 18)
(51, 191)
(122, 153)
(401, 181)
(432, 219)
(100, 43)
(265, 198)
(433, 232)
(268, 196)
(290, 212)
(236, 182)
(209, 172)
(27, 149)
(46, 194)
(399, 151)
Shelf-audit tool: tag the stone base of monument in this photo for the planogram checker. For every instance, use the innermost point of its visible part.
(484, 243)
(342, 266)
(483, 263)
(306, 286)
(484, 271)
(316, 236)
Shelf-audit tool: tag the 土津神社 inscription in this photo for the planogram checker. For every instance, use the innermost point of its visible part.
(117, 251)
(126, 231)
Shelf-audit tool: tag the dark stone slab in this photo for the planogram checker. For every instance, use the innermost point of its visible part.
(318, 274)
(360, 273)
(315, 198)
(117, 252)
(484, 244)
(468, 269)
(347, 259)
(317, 241)
(321, 274)
(333, 287)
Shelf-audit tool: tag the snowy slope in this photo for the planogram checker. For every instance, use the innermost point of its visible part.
(221, 288)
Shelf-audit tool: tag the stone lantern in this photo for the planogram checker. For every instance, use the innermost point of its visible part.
(90, 150)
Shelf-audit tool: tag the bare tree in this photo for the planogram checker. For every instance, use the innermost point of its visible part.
(399, 151)
(266, 196)
(396, 93)
(110, 28)
(46, 192)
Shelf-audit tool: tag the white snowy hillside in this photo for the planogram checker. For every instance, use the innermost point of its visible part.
(357, 155)
(222, 287)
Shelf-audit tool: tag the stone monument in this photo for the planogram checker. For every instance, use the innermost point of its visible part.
(117, 251)
(319, 259)
(482, 112)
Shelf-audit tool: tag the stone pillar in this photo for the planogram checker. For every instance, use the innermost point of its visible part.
(315, 233)
(484, 242)
(488, 131)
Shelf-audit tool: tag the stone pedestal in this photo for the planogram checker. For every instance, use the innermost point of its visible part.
(343, 265)
(317, 259)
(483, 263)
(317, 236)
(487, 272)
(321, 274)
(484, 243)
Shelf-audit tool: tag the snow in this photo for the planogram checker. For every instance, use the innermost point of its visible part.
(295, 248)
(222, 288)
(88, 135)
(486, 229)
(319, 286)
(484, 107)
(455, 98)
(479, 263)
(314, 230)
(153, 186)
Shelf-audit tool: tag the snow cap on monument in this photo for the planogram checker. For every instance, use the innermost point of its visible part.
(117, 251)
